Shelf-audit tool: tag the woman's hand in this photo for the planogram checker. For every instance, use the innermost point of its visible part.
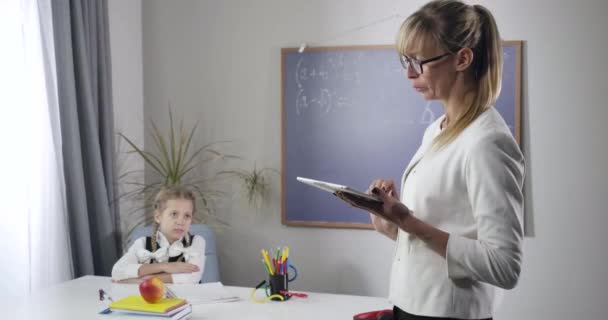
(387, 186)
(179, 267)
(390, 209)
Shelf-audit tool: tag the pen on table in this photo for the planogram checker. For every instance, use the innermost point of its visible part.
(295, 294)
(261, 284)
(104, 296)
(170, 293)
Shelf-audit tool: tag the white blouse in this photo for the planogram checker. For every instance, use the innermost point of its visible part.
(127, 266)
(471, 189)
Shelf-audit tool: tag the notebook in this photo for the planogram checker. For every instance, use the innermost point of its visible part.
(206, 293)
(137, 303)
(180, 313)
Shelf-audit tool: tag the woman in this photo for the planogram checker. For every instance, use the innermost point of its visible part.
(458, 223)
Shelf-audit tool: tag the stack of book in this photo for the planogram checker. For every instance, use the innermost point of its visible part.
(136, 306)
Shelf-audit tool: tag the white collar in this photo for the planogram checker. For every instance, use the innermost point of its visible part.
(164, 242)
(166, 250)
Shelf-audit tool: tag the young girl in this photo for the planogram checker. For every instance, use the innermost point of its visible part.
(171, 253)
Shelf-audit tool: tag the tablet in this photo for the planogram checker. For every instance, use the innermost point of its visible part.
(332, 188)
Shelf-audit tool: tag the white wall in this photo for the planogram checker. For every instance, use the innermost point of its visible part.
(218, 62)
(127, 86)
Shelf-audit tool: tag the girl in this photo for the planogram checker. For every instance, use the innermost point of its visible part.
(171, 253)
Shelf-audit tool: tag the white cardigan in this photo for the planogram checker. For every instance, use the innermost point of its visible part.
(471, 189)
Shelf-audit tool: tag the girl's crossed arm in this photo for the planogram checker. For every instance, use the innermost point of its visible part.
(128, 269)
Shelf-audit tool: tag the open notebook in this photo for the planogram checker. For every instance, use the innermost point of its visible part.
(213, 292)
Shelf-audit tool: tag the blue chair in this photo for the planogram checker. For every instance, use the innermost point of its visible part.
(211, 271)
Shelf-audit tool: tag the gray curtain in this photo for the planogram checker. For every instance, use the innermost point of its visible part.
(85, 101)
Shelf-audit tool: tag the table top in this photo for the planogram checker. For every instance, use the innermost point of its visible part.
(79, 299)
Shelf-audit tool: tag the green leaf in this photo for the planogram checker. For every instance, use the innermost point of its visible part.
(182, 148)
(193, 156)
(189, 141)
(172, 143)
(161, 145)
(150, 159)
(175, 160)
(128, 173)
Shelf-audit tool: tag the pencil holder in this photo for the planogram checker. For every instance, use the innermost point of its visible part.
(278, 268)
(278, 285)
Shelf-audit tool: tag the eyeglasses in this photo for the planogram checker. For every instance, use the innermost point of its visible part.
(417, 64)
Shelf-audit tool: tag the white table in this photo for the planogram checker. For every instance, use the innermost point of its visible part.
(78, 299)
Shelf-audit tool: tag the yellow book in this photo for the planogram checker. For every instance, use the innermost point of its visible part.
(137, 303)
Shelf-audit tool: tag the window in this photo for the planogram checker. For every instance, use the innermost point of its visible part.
(33, 223)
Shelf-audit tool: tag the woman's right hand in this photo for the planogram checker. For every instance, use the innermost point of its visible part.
(179, 267)
(382, 225)
(388, 186)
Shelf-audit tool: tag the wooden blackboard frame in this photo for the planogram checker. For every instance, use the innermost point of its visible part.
(517, 44)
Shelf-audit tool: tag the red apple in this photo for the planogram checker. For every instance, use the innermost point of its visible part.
(152, 289)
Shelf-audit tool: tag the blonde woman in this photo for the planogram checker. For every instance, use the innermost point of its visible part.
(458, 221)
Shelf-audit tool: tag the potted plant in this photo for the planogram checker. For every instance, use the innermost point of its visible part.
(255, 184)
(174, 160)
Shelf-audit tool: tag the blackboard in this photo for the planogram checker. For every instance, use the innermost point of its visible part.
(342, 107)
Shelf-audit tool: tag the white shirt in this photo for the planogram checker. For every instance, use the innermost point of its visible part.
(127, 266)
(471, 189)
